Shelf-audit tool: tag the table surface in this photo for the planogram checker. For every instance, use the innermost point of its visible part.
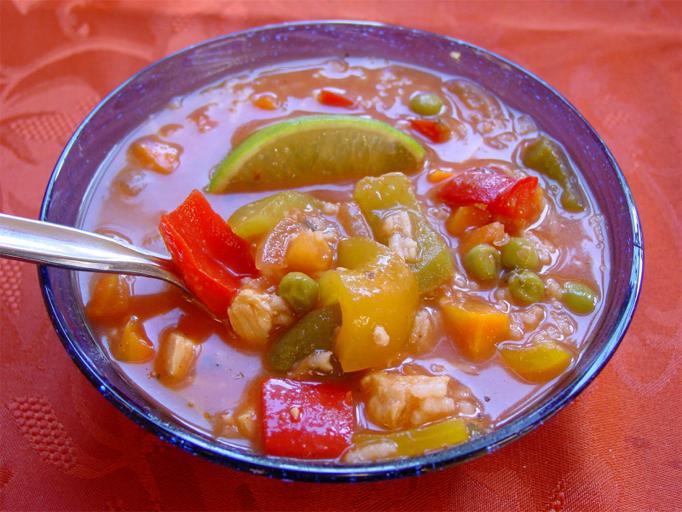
(617, 447)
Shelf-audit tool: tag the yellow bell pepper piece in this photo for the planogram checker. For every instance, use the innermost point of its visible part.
(378, 296)
(391, 193)
(538, 363)
(475, 327)
(417, 441)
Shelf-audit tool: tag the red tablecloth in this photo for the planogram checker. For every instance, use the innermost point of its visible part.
(617, 447)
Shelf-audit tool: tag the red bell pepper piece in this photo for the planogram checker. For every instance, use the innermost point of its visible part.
(308, 420)
(501, 195)
(519, 201)
(332, 99)
(211, 259)
(475, 186)
(435, 131)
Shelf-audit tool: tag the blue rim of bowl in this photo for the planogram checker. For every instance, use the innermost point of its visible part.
(303, 470)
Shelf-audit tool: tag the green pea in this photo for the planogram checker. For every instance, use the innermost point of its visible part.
(526, 287)
(520, 253)
(579, 298)
(426, 104)
(299, 291)
(482, 262)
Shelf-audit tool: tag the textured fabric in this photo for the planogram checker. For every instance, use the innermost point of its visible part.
(617, 447)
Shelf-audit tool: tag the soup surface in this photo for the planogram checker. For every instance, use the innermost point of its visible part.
(363, 318)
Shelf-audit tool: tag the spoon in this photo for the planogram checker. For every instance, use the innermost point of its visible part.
(61, 246)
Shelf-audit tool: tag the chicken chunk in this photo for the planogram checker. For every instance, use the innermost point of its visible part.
(319, 362)
(253, 315)
(403, 401)
(422, 337)
(398, 228)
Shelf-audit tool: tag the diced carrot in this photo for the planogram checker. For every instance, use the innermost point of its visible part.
(438, 175)
(475, 327)
(333, 99)
(539, 363)
(466, 217)
(308, 253)
(436, 131)
(489, 234)
(266, 101)
(133, 345)
(110, 300)
(155, 154)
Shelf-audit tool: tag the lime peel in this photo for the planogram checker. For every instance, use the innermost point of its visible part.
(316, 149)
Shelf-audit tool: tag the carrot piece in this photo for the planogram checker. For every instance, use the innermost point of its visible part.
(435, 131)
(266, 101)
(437, 176)
(466, 217)
(155, 154)
(332, 99)
(492, 234)
(133, 345)
(110, 299)
(475, 327)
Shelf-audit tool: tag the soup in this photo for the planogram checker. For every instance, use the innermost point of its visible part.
(388, 261)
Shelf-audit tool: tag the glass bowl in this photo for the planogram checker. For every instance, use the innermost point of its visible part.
(153, 87)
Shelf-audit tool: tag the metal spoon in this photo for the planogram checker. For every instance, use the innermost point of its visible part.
(52, 244)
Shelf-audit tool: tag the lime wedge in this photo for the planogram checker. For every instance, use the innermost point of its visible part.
(316, 149)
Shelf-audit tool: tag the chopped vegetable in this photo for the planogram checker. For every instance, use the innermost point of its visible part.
(519, 201)
(316, 149)
(426, 104)
(378, 296)
(299, 291)
(314, 331)
(333, 99)
(266, 101)
(435, 131)
(516, 203)
(305, 419)
(176, 357)
(390, 194)
(438, 175)
(153, 153)
(309, 252)
(110, 299)
(526, 287)
(256, 219)
(410, 443)
(133, 344)
(482, 262)
(547, 157)
(520, 253)
(538, 363)
(210, 258)
(492, 234)
(466, 217)
(475, 186)
(579, 297)
(475, 327)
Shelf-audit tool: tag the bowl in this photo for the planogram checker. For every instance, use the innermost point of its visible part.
(152, 88)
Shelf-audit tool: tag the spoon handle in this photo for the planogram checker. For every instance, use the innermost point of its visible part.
(62, 246)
